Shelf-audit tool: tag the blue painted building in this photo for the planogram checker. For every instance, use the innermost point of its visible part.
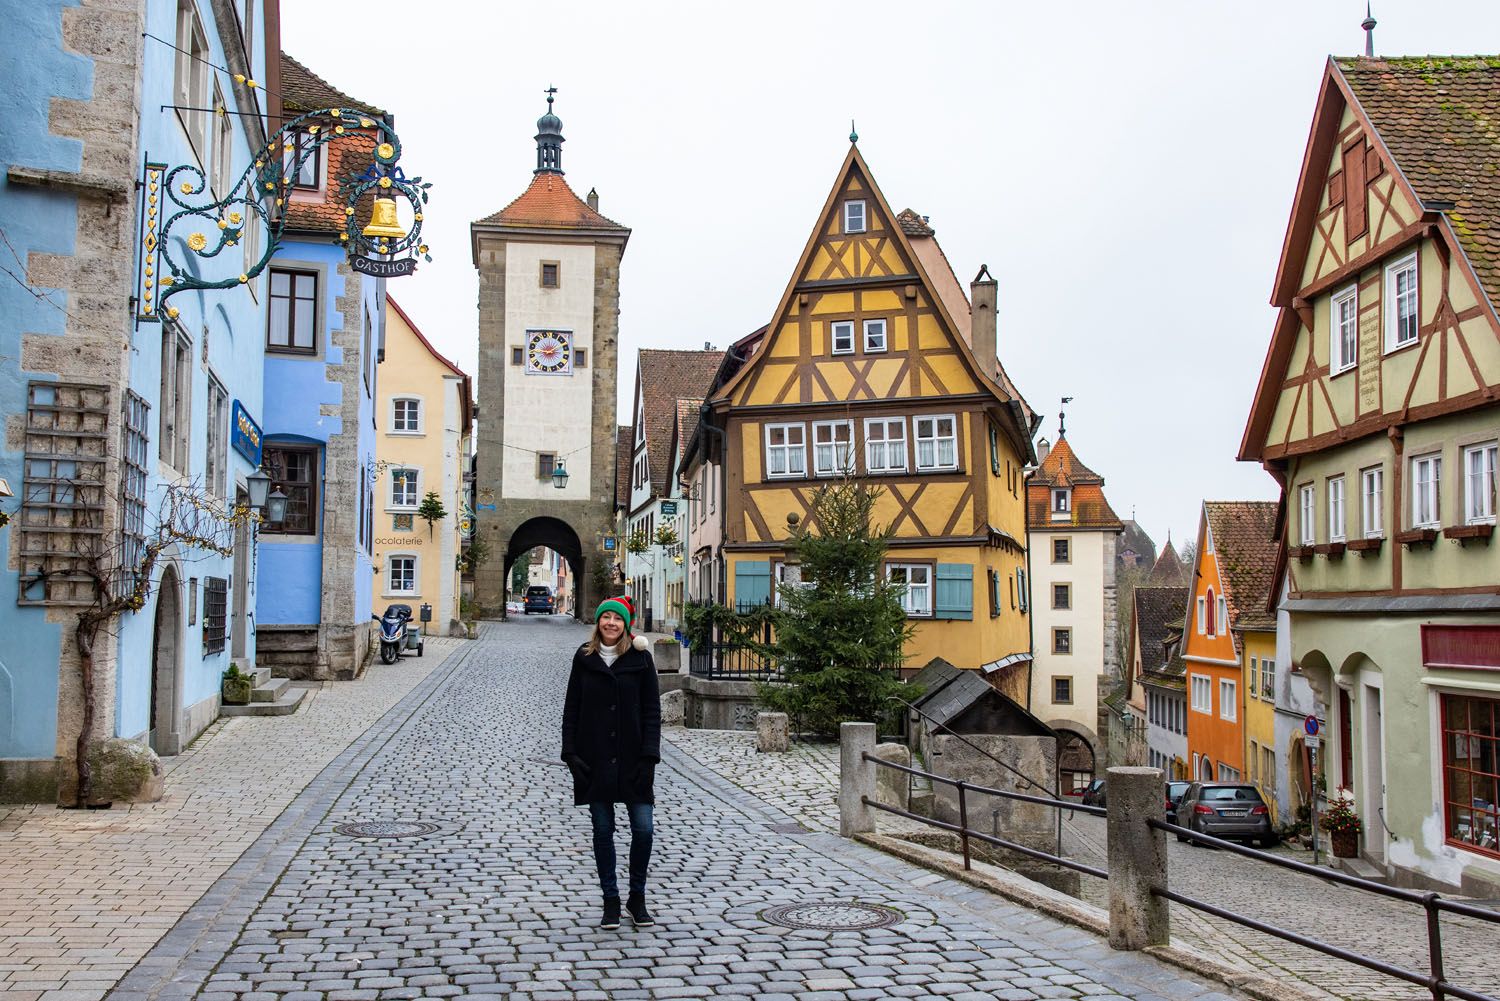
(322, 347)
(107, 398)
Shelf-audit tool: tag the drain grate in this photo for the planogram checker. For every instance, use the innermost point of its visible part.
(787, 828)
(386, 829)
(832, 916)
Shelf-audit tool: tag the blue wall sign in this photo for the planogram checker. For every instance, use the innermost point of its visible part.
(244, 434)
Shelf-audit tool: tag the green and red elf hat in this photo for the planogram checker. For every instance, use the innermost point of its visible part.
(625, 609)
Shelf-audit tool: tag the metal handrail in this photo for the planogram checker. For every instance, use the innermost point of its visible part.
(1054, 803)
(1026, 778)
(1431, 903)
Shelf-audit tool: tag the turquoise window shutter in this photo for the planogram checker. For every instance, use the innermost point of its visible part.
(752, 582)
(955, 591)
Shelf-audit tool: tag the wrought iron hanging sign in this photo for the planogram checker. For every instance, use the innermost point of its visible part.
(206, 228)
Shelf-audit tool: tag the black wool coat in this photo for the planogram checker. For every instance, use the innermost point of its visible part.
(612, 721)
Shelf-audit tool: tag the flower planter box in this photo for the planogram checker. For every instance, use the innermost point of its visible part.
(1345, 843)
(1418, 538)
(236, 691)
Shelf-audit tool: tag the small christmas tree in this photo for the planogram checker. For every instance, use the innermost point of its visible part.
(841, 630)
(432, 510)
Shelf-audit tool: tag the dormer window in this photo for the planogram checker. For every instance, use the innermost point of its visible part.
(1062, 504)
(854, 216)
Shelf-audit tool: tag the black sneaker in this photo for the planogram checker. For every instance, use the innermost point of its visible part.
(611, 917)
(639, 916)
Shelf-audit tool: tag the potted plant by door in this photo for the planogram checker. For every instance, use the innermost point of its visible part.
(1342, 824)
(235, 686)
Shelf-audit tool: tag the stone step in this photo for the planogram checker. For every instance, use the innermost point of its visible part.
(284, 706)
(269, 689)
(1363, 868)
(261, 674)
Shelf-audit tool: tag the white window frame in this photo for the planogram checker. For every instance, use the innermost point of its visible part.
(1268, 678)
(936, 441)
(223, 146)
(884, 443)
(1372, 501)
(1228, 773)
(841, 337)
(1206, 705)
(1343, 331)
(1426, 491)
(175, 404)
(392, 504)
(1221, 620)
(1336, 522)
(1228, 699)
(788, 450)
(1391, 305)
(395, 428)
(191, 83)
(1062, 504)
(416, 574)
(854, 209)
(880, 328)
(216, 452)
(1202, 615)
(1307, 514)
(909, 598)
(1479, 484)
(833, 467)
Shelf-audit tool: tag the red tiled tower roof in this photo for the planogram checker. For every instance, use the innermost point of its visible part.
(548, 203)
(1061, 468)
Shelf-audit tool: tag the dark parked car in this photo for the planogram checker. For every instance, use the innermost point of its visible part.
(1225, 810)
(539, 599)
(1175, 791)
(1094, 794)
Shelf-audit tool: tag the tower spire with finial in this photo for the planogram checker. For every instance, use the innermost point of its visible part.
(1062, 417)
(549, 139)
(853, 135)
(1369, 25)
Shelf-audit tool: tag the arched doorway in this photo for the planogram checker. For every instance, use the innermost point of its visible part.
(166, 667)
(1075, 761)
(1205, 769)
(558, 536)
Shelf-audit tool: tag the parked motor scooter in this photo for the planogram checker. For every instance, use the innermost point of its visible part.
(394, 626)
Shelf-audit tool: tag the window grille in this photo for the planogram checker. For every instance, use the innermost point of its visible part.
(62, 496)
(134, 455)
(215, 606)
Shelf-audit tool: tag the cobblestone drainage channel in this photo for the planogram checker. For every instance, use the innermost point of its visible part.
(832, 916)
(386, 829)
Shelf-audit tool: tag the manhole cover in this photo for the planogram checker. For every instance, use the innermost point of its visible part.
(832, 916)
(386, 829)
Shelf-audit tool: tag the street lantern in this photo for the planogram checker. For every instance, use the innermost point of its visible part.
(276, 507)
(559, 475)
(258, 484)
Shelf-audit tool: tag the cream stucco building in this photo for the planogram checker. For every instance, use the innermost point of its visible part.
(424, 416)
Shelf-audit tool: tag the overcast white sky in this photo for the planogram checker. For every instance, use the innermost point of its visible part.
(1125, 169)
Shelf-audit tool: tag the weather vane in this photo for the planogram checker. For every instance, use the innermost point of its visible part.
(1062, 416)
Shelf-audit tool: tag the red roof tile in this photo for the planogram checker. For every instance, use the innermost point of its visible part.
(624, 435)
(1169, 569)
(667, 377)
(1244, 536)
(1061, 468)
(302, 90)
(548, 203)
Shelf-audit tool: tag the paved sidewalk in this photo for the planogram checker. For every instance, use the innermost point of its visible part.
(498, 896)
(85, 894)
(804, 783)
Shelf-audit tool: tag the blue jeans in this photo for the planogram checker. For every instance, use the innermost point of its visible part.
(641, 830)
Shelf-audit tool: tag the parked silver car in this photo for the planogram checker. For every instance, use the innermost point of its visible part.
(1226, 810)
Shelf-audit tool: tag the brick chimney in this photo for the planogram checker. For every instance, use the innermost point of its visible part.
(982, 329)
(593, 199)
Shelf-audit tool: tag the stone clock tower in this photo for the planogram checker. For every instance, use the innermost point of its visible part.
(549, 308)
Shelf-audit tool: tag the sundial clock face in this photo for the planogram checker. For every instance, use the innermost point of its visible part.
(549, 352)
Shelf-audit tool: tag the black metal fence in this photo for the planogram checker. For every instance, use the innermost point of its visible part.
(731, 658)
(1433, 904)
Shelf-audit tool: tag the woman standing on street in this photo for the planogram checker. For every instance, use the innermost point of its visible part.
(611, 741)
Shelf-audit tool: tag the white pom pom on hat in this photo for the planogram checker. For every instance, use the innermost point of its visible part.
(639, 643)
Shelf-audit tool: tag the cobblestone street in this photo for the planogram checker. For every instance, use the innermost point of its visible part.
(804, 782)
(500, 896)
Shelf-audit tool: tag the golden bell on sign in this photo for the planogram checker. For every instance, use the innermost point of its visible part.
(384, 222)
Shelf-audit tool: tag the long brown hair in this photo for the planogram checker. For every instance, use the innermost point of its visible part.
(596, 641)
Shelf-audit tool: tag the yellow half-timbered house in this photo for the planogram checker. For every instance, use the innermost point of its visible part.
(876, 366)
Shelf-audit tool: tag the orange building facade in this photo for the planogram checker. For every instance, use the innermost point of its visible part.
(1216, 736)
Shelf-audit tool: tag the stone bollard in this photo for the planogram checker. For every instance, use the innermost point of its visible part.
(672, 708)
(771, 734)
(856, 779)
(893, 788)
(1137, 859)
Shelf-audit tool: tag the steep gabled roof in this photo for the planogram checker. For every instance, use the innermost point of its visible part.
(302, 91)
(1439, 116)
(1169, 568)
(1136, 539)
(665, 377)
(423, 338)
(1158, 610)
(1244, 538)
(548, 203)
